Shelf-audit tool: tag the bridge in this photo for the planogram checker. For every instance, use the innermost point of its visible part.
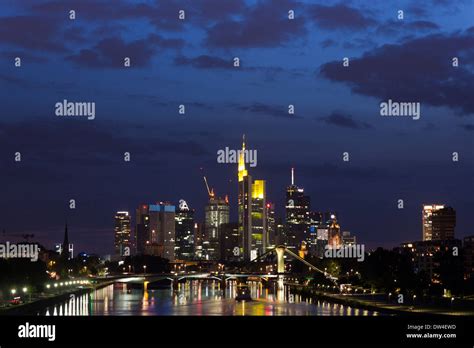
(280, 252)
(223, 277)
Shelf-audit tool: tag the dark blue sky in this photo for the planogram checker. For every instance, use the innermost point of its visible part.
(189, 62)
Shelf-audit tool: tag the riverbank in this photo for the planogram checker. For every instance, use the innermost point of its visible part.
(366, 302)
(31, 308)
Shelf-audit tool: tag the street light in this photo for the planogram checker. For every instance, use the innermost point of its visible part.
(13, 291)
(144, 269)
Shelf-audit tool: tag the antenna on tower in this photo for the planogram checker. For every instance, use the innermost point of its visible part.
(292, 176)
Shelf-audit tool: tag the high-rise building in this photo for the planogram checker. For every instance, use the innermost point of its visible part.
(229, 243)
(297, 214)
(438, 222)
(155, 230)
(259, 214)
(198, 240)
(271, 226)
(216, 214)
(348, 239)
(184, 231)
(253, 211)
(334, 234)
(245, 206)
(122, 234)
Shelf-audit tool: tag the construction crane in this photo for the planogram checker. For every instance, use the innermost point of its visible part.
(209, 191)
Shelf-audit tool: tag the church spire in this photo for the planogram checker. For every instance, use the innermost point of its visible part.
(65, 247)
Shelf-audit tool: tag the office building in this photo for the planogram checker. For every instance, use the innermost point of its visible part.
(122, 243)
(155, 230)
(184, 232)
(297, 215)
(438, 222)
(216, 214)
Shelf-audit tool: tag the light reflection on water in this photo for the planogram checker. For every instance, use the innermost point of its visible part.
(198, 298)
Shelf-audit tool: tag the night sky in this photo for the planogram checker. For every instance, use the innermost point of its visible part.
(190, 62)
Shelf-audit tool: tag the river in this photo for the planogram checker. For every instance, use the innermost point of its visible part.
(197, 297)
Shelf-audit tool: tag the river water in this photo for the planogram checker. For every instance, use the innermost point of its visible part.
(197, 297)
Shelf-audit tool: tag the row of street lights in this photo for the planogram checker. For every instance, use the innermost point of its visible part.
(68, 283)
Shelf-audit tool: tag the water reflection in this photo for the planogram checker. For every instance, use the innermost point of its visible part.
(198, 297)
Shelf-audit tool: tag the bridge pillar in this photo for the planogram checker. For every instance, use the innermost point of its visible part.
(175, 284)
(222, 282)
(280, 251)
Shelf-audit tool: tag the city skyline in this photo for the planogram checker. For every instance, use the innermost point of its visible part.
(241, 173)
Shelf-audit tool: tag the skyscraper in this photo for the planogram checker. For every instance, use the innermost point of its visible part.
(297, 214)
(245, 205)
(216, 214)
(122, 234)
(271, 225)
(184, 232)
(438, 222)
(229, 242)
(155, 230)
(252, 208)
(259, 235)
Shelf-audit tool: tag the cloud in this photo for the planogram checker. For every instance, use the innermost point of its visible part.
(467, 127)
(344, 121)
(339, 16)
(396, 28)
(418, 70)
(110, 52)
(268, 110)
(89, 143)
(205, 62)
(263, 25)
(31, 32)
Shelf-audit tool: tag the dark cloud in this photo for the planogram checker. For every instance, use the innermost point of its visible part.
(111, 52)
(85, 142)
(269, 110)
(419, 70)
(205, 62)
(344, 121)
(30, 32)
(397, 28)
(263, 25)
(339, 16)
(328, 43)
(467, 127)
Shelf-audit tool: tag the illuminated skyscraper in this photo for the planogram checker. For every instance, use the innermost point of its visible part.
(216, 214)
(259, 235)
(438, 222)
(122, 234)
(271, 225)
(184, 232)
(297, 214)
(155, 230)
(252, 211)
(245, 206)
